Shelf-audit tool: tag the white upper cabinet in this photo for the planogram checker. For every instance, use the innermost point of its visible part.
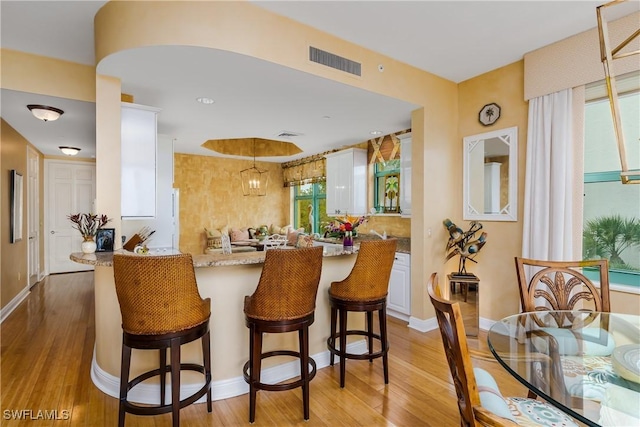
(347, 182)
(405, 174)
(138, 154)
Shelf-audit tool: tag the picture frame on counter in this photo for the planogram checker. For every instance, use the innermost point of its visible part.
(104, 239)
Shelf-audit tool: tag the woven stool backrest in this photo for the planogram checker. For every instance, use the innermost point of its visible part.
(158, 294)
(288, 284)
(369, 278)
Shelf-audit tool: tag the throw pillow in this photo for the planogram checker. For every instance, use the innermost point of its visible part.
(275, 229)
(304, 241)
(292, 236)
(238, 234)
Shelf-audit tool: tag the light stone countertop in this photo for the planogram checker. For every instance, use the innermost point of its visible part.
(403, 244)
(105, 259)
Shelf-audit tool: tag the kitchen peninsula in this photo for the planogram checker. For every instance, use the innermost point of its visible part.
(226, 279)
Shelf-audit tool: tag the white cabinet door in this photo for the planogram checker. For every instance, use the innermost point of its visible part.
(405, 174)
(399, 297)
(347, 182)
(138, 153)
(337, 181)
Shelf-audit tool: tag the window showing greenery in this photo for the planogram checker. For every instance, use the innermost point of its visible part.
(382, 170)
(310, 207)
(611, 213)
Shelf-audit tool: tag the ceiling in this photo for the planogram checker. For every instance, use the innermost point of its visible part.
(457, 40)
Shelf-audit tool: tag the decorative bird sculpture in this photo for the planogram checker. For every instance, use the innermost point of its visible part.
(460, 243)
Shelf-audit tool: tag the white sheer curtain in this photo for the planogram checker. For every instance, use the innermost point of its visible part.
(548, 198)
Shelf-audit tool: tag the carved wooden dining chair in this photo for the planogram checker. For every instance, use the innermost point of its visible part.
(564, 285)
(479, 399)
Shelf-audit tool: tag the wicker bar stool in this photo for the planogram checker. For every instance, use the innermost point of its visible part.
(161, 308)
(364, 290)
(284, 301)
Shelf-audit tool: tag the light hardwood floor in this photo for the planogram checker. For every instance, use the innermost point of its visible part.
(47, 346)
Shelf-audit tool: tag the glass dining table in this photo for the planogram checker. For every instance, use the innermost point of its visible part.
(587, 364)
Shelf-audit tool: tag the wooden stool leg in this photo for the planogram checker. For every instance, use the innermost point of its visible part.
(383, 341)
(175, 381)
(206, 359)
(370, 332)
(124, 381)
(343, 345)
(163, 374)
(334, 314)
(303, 336)
(255, 366)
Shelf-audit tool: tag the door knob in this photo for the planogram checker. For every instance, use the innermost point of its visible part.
(53, 232)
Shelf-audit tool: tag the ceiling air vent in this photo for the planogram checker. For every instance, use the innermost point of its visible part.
(334, 61)
(287, 134)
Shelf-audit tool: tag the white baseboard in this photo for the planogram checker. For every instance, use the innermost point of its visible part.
(397, 314)
(223, 389)
(430, 324)
(423, 325)
(15, 302)
(485, 324)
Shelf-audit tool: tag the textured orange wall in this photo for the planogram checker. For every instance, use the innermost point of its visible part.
(13, 278)
(211, 197)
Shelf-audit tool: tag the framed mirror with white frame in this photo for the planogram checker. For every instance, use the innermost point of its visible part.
(490, 176)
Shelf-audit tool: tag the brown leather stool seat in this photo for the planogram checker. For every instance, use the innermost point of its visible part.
(161, 308)
(284, 301)
(364, 290)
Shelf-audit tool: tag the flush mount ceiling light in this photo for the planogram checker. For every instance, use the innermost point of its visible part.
(44, 112)
(376, 132)
(69, 151)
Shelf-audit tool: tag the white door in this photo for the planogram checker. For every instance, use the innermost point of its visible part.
(71, 189)
(33, 216)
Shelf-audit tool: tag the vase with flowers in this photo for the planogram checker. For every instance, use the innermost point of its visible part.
(345, 228)
(88, 225)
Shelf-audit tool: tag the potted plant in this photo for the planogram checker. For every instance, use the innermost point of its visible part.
(88, 225)
(462, 243)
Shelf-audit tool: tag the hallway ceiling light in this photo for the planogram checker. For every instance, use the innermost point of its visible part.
(44, 112)
(69, 151)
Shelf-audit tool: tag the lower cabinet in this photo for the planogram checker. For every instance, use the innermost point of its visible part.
(399, 297)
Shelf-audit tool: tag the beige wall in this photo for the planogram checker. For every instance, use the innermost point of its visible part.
(211, 197)
(575, 61)
(13, 155)
(47, 76)
(499, 289)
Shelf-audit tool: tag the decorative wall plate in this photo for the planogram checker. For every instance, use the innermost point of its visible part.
(489, 114)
